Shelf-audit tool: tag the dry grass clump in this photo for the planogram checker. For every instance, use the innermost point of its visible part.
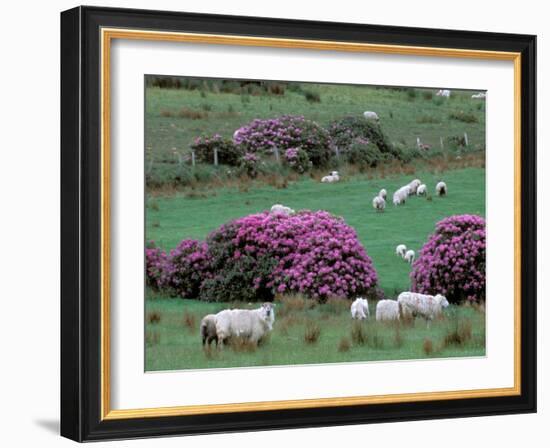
(358, 334)
(152, 337)
(192, 114)
(428, 346)
(397, 336)
(312, 332)
(240, 345)
(366, 334)
(292, 304)
(460, 334)
(153, 317)
(190, 321)
(344, 345)
(336, 305)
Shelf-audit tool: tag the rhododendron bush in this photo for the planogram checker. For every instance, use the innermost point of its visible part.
(452, 262)
(287, 131)
(254, 257)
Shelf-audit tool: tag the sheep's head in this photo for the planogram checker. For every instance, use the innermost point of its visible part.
(267, 310)
(442, 300)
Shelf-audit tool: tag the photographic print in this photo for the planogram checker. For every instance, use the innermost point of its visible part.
(292, 223)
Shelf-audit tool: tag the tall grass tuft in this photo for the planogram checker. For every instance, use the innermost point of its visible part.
(312, 332)
(189, 321)
(344, 345)
(153, 317)
(428, 346)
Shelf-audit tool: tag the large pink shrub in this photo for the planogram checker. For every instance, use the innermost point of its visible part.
(313, 253)
(452, 262)
(155, 266)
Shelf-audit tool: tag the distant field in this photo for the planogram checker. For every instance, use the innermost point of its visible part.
(174, 342)
(404, 116)
(171, 219)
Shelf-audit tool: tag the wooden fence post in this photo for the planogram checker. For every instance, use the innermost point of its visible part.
(418, 142)
(337, 150)
(276, 150)
(216, 156)
(193, 158)
(466, 139)
(441, 142)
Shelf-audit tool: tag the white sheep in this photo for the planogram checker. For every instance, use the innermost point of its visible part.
(421, 190)
(369, 115)
(445, 93)
(400, 250)
(409, 256)
(279, 209)
(413, 304)
(251, 325)
(441, 188)
(379, 204)
(387, 310)
(478, 96)
(360, 309)
(332, 177)
(413, 186)
(401, 195)
(208, 329)
(383, 193)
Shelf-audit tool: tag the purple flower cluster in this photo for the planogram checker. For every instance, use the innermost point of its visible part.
(452, 262)
(313, 253)
(249, 164)
(297, 159)
(180, 272)
(287, 131)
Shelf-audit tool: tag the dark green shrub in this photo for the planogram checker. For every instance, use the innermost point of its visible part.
(364, 154)
(228, 152)
(465, 117)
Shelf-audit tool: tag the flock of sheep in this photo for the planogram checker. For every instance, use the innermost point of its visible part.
(415, 187)
(253, 325)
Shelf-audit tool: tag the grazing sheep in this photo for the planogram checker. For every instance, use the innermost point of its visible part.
(409, 256)
(421, 190)
(379, 204)
(251, 325)
(413, 186)
(478, 96)
(441, 188)
(279, 209)
(208, 330)
(387, 310)
(369, 115)
(401, 250)
(332, 177)
(383, 193)
(412, 304)
(445, 93)
(401, 195)
(360, 309)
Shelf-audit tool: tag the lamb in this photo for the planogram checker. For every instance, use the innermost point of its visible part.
(409, 256)
(401, 195)
(441, 188)
(400, 250)
(369, 115)
(378, 203)
(279, 209)
(360, 309)
(332, 177)
(413, 186)
(387, 310)
(208, 330)
(383, 193)
(421, 190)
(251, 325)
(445, 93)
(413, 304)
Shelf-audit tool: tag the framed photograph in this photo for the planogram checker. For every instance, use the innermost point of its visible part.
(273, 223)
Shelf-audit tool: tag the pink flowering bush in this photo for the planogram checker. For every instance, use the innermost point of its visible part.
(313, 253)
(249, 164)
(155, 266)
(297, 159)
(185, 268)
(287, 131)
(228, 152)
(452, 262)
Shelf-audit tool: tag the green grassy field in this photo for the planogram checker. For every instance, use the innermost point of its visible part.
(173, 218)
(173, 342)
(402, 117)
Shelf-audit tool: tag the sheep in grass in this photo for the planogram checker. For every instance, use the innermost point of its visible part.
(378, 203)
(444, 93)
(387, 310)
(369, 115)
(479, 96)
(249, 325)
(208, 330)
(409, 256)
(401, 195)
(400, 250)
(279, 209)
(360, 309)
(441, 188)
(413, 304)
(421, 190)
(331, 178)
(383, 193)
(413, 186)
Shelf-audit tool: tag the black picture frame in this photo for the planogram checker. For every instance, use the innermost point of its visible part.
(81, 224)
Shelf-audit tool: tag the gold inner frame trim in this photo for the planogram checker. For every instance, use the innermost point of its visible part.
(107, 35)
